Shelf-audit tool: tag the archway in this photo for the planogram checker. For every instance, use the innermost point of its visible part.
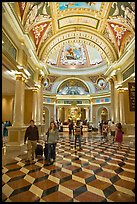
(46, 117)
(102, 114)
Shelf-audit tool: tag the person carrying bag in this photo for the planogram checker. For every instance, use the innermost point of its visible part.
(52, 138)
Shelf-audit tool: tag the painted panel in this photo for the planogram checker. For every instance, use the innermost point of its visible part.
(90, 5)
(78, 20)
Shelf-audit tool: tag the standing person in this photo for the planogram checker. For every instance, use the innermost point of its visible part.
(113, 130)
(119, 134)
(105, 131)
(71, 127)
(98, 126)
(109, 125)
(52, 137)
(101, 125)
(78, 134)
(2, 131)
(32, 135)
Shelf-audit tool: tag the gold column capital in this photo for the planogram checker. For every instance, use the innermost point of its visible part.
(41, 78)
(121, 90)
(20, 77)
(114, 77)
(35, 89)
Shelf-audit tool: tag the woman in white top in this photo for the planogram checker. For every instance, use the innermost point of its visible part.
(113, 130)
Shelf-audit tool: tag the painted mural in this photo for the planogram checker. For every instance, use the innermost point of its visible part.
(73, 54)
(90, 5)
(125, 11)
(38, 11)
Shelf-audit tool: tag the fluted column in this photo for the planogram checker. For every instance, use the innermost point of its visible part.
(58, 113)
(116, 102)
(121, 106)
(91, 110)
(54, 111)
(87, 114)
(18, 118)
(40, 99)
(34, 105)
(16, 132)
(112, 99)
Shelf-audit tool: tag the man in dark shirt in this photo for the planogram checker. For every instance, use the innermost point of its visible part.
(32, 135)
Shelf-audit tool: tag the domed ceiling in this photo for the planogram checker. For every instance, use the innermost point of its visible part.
(77, 35)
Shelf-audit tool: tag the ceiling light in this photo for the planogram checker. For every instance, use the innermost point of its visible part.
(20, 67)
(27, 72)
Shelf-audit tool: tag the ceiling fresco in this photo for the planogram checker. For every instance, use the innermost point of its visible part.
(77, 55)
(103, 29)
(73, 5)
(72, 87)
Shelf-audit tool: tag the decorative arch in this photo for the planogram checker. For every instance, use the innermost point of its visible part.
(61, 80)
(101, 107)
(83, 35)
(47, 116)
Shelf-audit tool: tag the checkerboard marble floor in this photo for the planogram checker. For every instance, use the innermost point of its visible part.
(97, 173)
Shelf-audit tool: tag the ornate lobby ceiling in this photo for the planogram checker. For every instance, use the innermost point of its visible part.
(75, 35)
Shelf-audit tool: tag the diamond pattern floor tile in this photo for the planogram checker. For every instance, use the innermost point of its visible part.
(97, 173)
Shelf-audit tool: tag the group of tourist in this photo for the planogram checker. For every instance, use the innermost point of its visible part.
(115, 131)
(5, 130)
(32, 136)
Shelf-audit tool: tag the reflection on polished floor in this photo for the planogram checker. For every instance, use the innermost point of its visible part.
(98, 173)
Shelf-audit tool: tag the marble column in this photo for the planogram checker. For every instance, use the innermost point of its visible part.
(17, 131)
(58, 113)
(54, 111)
(112, 99)
(91, 111)
(87, 114)
(121, 106)
(34, 105)
(116, 103)
(18, 118)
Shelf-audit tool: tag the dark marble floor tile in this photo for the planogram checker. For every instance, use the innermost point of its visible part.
(57, 197)
(25, 197)
(89, 197)
(109, 190)
(121, 197)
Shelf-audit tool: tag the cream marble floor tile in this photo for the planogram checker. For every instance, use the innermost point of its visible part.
(54, 179)
(95, 190)
(87, 170)
(77, 178)
(124, 190)
(45, 170)
(65, 190)
(132, 164)
(4, 170)
(39, 164)
(18, 158)
(76, 164)
(113, 164)
(127, 178)
(101, 178)
(109, 170)
(21, 164)
(36, 190)
(129, 170)
(29, 178)
(24, 170)
(5, 178)
(7, 190)
(94, 164)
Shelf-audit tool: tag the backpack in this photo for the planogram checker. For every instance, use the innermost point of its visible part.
(78, 130)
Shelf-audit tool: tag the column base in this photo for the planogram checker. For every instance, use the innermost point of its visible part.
(19, 147)
(16, 136)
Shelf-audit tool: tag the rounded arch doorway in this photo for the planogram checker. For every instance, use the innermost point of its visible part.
(102, 114)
